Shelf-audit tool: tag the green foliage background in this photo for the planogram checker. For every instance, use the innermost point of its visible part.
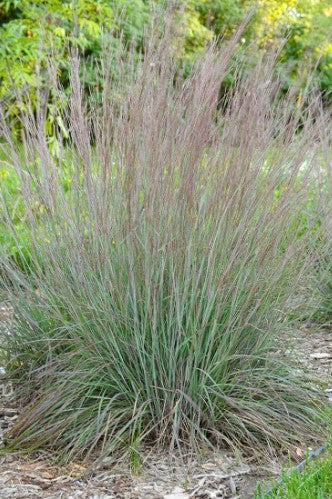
(32, 29)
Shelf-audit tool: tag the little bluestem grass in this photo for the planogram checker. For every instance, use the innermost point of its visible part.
(159, 280)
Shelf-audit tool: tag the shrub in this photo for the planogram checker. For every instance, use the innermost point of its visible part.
(321, 287)
(323, 278)
(325, 311)
(159, 279)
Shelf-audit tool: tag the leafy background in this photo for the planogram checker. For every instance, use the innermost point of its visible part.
(30, 29)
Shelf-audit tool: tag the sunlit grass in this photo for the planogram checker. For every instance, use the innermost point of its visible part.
(156, 285)
(315, 481)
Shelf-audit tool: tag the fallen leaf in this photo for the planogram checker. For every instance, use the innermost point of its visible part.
(31, 466)
(47, 475)
(209, 467)
(76, 470)
(177, 493)
(320, 355)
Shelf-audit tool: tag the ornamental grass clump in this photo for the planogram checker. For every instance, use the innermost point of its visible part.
(323, 277)
(165, 245)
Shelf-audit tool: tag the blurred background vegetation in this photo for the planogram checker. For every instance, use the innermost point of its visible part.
(34, 31)
(31, 30)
